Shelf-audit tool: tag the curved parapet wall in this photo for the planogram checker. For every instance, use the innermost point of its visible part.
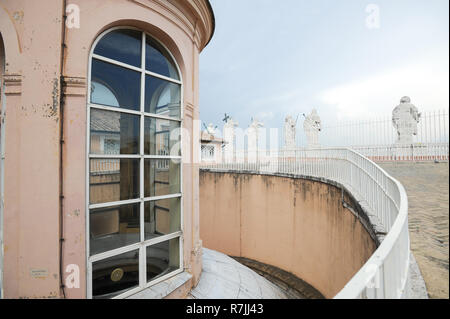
(298, 225)
(389, 272)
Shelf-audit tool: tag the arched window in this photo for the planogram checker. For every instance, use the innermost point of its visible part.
(134, 200)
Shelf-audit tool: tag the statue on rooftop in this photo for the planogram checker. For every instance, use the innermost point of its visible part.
(312, 127)
(405, 117)
(211, 129)
(253, 139)
(229, 133)
(253, 134)
(289, 132)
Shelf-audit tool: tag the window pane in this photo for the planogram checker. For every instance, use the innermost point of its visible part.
(163, 258)
(161, 177)
(113, 180)
(162, 217)
(121, 45)
(158, 60)
(113, 227)
(101, 94)
(115, 275)
(162, 137)
(162, 97)
(113, 85)
(207, 152)
(114, 133)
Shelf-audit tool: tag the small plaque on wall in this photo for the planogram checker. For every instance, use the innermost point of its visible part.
(39, 273)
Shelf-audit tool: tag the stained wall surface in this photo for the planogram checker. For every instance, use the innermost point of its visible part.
(297, 225)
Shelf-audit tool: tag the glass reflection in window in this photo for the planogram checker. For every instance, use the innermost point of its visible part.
(115, 275)
(112, 180)
(162, 137)
(161, 177)
(162, 97)
(163, 258)
(121, 45)
(162, 217)
(113, 227)
(158, 60)
(114, 133)
(117, 152)
(119, 87)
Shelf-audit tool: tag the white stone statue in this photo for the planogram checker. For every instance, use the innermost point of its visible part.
(210, 129)
(312, 127)
(405, 117)
(229, 133)
(289, 132)
(253, 134)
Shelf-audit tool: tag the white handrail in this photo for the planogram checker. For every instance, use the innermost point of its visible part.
(385, 274)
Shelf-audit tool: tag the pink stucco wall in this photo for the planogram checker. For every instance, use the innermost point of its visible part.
(32, 33)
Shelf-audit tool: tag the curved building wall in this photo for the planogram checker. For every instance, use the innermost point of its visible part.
(37, 73)
(298, 225)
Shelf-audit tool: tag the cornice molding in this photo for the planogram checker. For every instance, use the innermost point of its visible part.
(203, 17)
(194, 17)
(74, 86)
(189, 109)
(207, 14)
(13, 83)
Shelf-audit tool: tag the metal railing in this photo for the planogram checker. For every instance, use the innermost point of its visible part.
(431, 129)
(385, 274)
(403, 153)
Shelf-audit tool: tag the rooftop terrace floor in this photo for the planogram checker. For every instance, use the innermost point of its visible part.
(427, 188)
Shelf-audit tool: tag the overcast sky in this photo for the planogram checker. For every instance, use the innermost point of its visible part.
(269, 58)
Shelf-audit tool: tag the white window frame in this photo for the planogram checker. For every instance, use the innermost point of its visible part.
(143, 244)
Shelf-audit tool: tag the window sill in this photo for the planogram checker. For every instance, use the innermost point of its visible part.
(164, 288)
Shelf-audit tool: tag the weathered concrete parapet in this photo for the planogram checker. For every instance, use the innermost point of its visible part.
(312, 127)
(296, 223)
(405, 117)
(366, 231)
